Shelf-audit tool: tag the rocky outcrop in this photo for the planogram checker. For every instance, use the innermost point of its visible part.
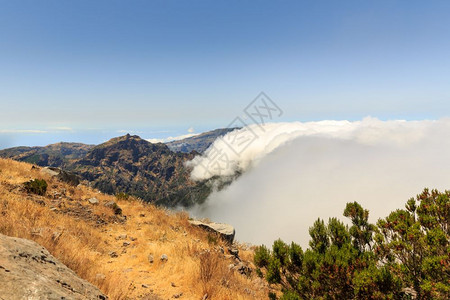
(225, 231)
(62, 175)
(29, 271)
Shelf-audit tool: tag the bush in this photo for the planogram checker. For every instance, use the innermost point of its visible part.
(122, 196)
(407, 249)
(36, 186)
(261, 256)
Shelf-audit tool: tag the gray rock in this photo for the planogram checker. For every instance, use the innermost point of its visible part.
(64, 176)
(151, 259)
(29, 271)
(164, 257)
(93, 201)
(225, 231)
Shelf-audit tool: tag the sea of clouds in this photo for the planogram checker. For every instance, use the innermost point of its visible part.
(293, 173)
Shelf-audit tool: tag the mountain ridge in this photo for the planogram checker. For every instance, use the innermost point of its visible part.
(125, 164)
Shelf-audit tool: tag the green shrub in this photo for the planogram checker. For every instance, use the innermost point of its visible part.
(122, 196)
(212, 239)
(36, 186)
(261, 256)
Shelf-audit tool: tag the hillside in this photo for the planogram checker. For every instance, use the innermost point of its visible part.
(54, 155)
(198, 143)
(139, 252)
(126, 164)
(135, 166)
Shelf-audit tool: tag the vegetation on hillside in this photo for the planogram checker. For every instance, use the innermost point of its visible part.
(143, 253)
(404, 256)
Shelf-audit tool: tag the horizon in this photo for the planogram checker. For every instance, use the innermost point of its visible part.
(87, 71)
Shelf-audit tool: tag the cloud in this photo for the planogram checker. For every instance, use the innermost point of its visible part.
(22, 131)
(191, 130)
(297, 172)
(172, 138)
(62, 128)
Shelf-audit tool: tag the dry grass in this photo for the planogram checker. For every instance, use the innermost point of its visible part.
(70, 229)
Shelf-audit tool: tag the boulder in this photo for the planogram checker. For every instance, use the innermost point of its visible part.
(29, 271)
(93, 201)
(64, 176)
(225, 231)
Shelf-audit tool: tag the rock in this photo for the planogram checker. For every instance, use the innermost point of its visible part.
(133, 239)
(176, 296)
(164, 257)
(205, 296)
(64, 176)
(243, 269)
(235, 253)
(93, 201)
(225, 231)
(150, 258)
(410, 292)
(173, 284)
(122, 236)
(29, 271)
(145, 286)
(113, 254)
(113, 205)
(126, 244)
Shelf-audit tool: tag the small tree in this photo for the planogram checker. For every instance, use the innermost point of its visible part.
(415, 243)
(36, 186)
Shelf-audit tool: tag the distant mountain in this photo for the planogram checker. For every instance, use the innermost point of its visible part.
(54, 155)
(154, 172)
(199, 142)
(135, 166)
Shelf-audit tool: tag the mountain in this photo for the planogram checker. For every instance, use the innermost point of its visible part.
(132, 165)
(198, 143)
(54, 155)
(129, 164)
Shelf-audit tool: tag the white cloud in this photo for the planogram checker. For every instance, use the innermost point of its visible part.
(297, 172)
(62, 128)
(22, 131)
(172, 138)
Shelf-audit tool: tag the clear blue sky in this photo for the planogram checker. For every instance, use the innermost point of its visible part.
(89, 70)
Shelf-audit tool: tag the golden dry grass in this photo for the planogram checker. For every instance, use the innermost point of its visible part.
(83, 236)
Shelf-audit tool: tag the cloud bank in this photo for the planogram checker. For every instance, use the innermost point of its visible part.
(297, 172)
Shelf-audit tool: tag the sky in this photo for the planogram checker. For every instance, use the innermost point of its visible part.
(86, 71)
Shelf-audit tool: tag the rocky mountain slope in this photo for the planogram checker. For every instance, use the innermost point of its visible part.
(136, 252)
(126, 164)
(29, 271)
(132, 165)
(198, 143)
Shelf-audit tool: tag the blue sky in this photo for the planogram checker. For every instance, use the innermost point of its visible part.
(89, 70)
